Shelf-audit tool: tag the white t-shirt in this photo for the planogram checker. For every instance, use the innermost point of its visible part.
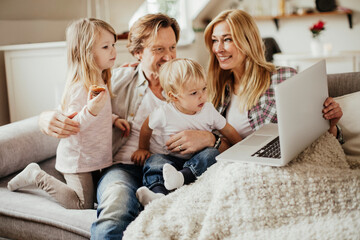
(237, 119)
(147, 105)
(166, 121)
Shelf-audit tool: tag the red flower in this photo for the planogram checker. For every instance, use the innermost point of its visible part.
(317, 28)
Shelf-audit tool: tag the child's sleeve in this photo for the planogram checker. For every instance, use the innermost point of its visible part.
(77, 103)
(218, 121)
(114, 117)
(157, 119)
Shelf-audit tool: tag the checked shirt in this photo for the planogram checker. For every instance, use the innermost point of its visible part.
(264, 111)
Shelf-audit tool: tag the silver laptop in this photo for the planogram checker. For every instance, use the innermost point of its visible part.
(299, 104)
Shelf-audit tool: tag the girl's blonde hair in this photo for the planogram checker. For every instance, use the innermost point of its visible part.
(175, 73)
(257, 71)
(82, 68)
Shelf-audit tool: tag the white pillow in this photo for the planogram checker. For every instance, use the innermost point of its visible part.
(350, 123)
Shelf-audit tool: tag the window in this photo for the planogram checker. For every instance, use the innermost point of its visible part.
(178, 9)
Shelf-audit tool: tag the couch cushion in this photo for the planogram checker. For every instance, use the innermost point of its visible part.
(350, 123)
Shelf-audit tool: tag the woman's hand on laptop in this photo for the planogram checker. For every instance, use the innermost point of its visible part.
(332, 112)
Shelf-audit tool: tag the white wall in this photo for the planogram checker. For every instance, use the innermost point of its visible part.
(34, 21)
(37, 21)
(294, 34)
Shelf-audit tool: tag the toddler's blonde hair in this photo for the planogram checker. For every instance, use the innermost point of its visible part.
(175, 73)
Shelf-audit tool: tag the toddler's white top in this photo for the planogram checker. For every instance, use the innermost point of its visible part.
(167, 120)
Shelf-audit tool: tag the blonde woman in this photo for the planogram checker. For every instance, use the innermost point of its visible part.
(91, 54)
(241, 82)
(185, 88)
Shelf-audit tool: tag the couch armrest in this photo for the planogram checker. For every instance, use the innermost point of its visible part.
(22, 143)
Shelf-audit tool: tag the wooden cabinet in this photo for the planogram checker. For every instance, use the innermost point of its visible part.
(36, 73)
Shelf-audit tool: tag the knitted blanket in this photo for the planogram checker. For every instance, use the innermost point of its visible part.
(316, 196)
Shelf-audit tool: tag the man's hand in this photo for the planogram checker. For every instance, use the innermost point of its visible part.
(190, 141)
(131, 64)
(58, 125)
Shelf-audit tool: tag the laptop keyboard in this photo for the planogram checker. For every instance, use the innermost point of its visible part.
(270, 150)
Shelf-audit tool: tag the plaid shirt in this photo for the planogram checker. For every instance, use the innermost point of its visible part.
(264, 111)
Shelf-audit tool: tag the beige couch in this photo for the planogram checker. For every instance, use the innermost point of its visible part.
(32, 214)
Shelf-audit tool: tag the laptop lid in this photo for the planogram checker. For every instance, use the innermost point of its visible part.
(299, 104)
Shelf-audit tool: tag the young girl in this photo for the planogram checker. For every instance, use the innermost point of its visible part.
(184, 84)
(91, 54)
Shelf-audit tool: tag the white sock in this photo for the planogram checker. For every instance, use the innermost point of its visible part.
(172, 178)
(145, 195)
(25, 178)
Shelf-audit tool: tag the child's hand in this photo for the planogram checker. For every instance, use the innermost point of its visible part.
(123, 125)
(139, 156)
(95, 104)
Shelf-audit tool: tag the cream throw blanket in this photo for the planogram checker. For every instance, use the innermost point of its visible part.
(316, 196)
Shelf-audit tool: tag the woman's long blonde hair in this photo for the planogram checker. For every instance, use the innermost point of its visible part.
(257, 71)
(82, 68)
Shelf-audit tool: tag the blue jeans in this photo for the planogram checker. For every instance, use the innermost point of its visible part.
(153, 168)
(117, 202)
